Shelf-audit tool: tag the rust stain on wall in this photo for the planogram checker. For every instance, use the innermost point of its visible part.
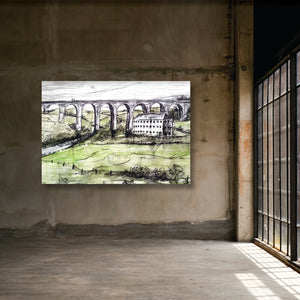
(245, 147)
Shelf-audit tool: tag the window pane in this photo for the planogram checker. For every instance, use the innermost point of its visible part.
(288, 155)
(259, 158)
(298, 153)
(277, 235)
(298, 241)
(283, 79)
(298, 157)
(270, 144)
(260, 198)
(259, 223)
(265, 159)
(271, 231)
(276, 84)
(298, 68)
(288, 75)
(283, 157)
(265, 238)
(265, 94)
(289, 236)
(259, 96)
(284, 237)
(270, 95)
(276, 161)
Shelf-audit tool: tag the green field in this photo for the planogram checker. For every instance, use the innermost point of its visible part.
(89, 163)
(101, 159)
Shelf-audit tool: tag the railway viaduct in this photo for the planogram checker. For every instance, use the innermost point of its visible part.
(182, 102)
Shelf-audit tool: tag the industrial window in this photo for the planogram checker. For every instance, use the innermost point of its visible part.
(277, 157)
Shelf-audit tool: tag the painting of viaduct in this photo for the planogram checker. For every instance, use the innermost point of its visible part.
(182, 103)
(115, 132)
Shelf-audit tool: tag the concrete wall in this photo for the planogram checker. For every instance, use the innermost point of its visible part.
(136, 40)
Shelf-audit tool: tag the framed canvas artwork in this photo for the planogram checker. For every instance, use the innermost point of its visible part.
(116, 132)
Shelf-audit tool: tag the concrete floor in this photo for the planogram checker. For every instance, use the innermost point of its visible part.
(90, 268)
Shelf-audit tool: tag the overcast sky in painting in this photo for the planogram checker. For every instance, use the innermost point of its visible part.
(113, 90)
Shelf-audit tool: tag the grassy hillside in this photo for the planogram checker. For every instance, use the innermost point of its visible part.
(54, 132)
(108, 163)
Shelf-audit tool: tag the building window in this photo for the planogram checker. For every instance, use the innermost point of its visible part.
(277, 157)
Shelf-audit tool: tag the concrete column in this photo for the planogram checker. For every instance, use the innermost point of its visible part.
(97, 110)
(244, 107)
(61, 114)
(78, 116)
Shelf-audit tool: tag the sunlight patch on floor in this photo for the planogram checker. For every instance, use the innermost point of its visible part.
(256, 287)
(275, 269)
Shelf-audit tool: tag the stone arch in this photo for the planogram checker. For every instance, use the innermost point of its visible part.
(111, 113)
(105, 114)
(70, 117)
(88, 120)
(123, 118)
(144, 109)
(125, 105)
(157, 104)
(176, 111)
(97, 111)
(68, 105)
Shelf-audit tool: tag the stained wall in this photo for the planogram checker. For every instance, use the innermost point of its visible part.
(104, 40)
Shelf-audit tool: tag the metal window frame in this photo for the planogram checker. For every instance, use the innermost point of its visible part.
(291, 255)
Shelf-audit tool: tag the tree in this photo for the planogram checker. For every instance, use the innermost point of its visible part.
(175, 174)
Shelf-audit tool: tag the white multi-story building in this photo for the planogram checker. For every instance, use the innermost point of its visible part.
(160, 124)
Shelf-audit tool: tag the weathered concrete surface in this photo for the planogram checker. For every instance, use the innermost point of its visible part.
(89, 268)
(212, 156)
(134, 34)
(244, 94)
(208, 230)
(51, 40)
